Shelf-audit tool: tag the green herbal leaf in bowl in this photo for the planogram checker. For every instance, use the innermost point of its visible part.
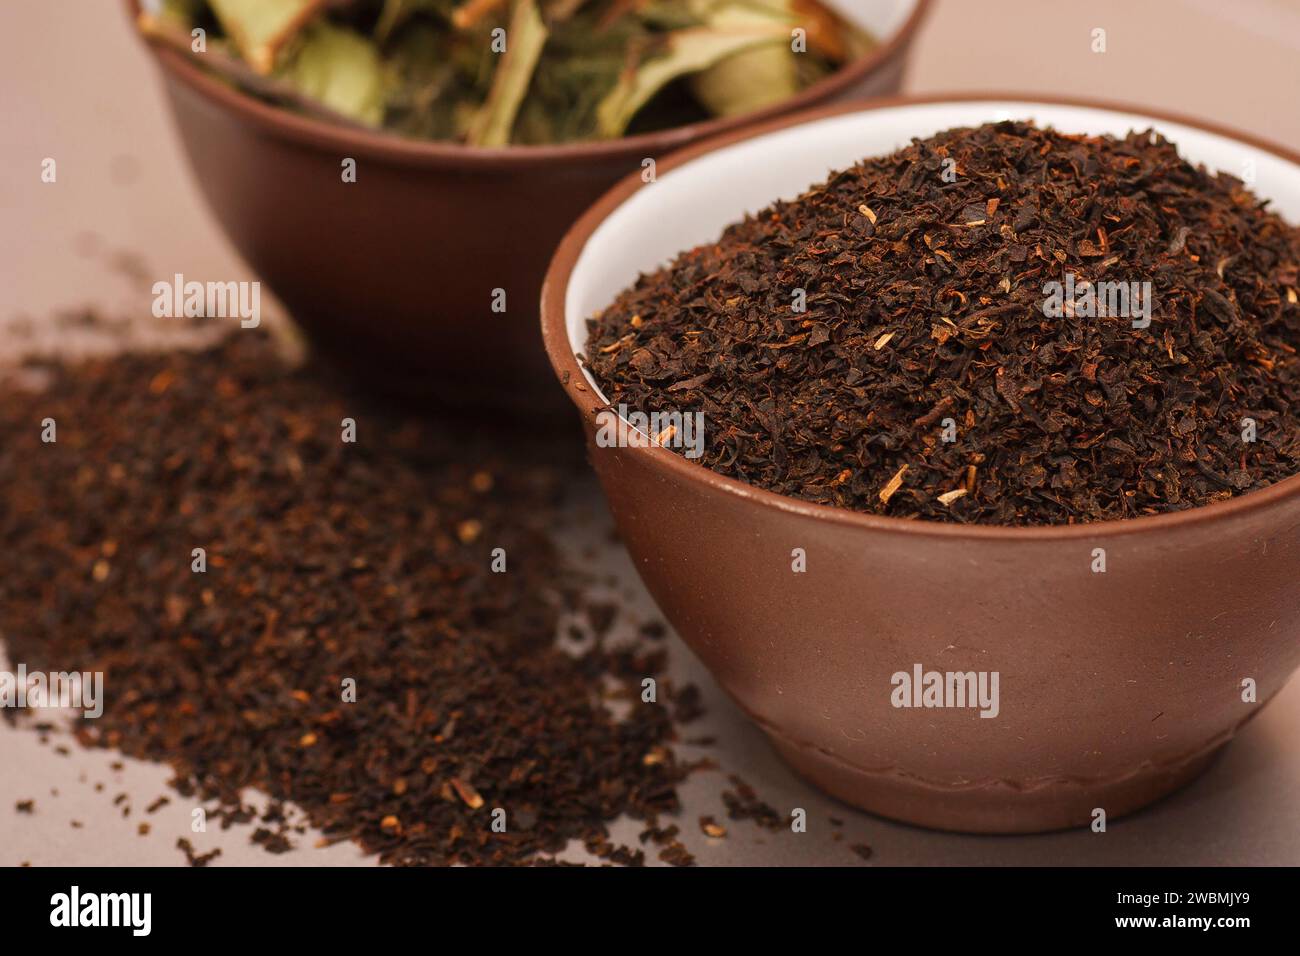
(526, 36)
(340, 69)
(513, 72)
(261, 28)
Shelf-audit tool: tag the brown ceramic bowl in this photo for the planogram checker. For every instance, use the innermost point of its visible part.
(395, 273)
(1114, 688)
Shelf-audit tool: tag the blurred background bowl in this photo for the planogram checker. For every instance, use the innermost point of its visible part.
(1115, 688)
(393, 275)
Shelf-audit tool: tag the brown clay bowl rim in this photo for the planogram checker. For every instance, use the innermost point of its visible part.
(563, 361)
(400, 149)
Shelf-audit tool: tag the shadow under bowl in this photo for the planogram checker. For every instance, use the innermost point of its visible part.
(1114, 688)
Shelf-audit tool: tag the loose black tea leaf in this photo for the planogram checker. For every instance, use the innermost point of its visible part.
(743, 803)
(712, 828)
(675, 853)
(193, 857)
(1003, 325)
(348, 647)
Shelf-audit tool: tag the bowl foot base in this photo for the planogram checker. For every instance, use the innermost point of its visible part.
(994, 809)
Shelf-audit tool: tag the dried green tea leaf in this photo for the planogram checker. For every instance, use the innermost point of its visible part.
(557, 11)
(526, 36)
(754, 78)
(222, 62)
(184, 12)
(667, 15)
(261, 28)
(682, 52)
(747, 81)
(472, 12)
(573, 70)
(420, 78)
(396, 13)
(581, 63)
(341, 70)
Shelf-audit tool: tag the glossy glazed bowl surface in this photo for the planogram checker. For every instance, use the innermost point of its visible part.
(1115, 687)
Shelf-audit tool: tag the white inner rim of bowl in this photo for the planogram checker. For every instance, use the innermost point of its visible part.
(692, 204)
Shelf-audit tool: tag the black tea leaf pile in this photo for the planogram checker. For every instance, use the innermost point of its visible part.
(1003, 325)
(348, 645)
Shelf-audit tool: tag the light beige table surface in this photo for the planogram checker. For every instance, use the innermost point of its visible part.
(74, 86)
